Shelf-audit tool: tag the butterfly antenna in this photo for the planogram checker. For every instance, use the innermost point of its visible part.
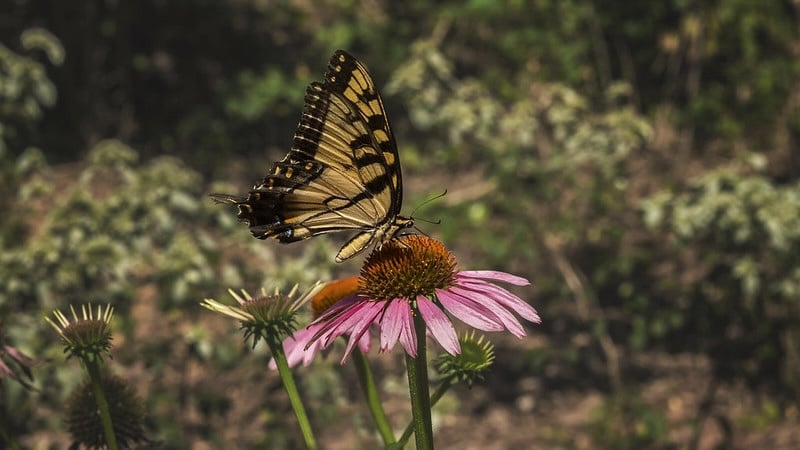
(435, 197)
(419, 230)
(433, 222)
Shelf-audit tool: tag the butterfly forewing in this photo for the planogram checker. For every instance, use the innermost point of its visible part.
(350, 77)
(342, 172)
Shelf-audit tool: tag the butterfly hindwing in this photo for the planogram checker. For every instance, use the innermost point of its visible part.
(341, 173)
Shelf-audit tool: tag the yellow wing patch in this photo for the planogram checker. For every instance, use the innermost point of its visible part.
(341, 173)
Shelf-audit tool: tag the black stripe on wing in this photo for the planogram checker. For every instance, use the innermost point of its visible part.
(350, 78)
(341, 173)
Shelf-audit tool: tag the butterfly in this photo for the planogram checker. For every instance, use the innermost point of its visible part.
(342, 172)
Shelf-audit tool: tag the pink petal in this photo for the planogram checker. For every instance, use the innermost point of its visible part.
(439, 325)
(495, 275)
(506, 318)
(330, 323)
(308, 355)
(390, 326)
(408, 337)
(367, 316)
(364, 343)
(16, 355)
(341, 307)
(468, 311)
(344, 322)
(328, 331)
(503, 297)
(303, 337)
(294, 347)
(289, 347)
(301, 347)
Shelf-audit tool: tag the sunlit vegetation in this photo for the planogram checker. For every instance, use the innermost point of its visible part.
(638, 162)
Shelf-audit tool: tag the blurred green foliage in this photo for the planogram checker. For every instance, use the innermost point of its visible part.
(637, 161)
(740, 234)
(25, 90)
(627, 422)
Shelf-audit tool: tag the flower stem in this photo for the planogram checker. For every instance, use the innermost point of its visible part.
(276, 347)
(367, 382)
(437, 395)
(418, 388)
(93, 367)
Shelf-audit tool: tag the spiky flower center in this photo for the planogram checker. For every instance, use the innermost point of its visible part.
(477, 355)
(407, 268)
(87, 332)
(273, 316)
(270, 308)
(87, 338)
(125, 406)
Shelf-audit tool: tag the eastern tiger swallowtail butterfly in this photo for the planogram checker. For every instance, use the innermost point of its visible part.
(342, 172)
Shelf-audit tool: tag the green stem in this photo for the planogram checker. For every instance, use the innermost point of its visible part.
(276, 347)
(418, 388)
(440, 391)
(93, 367)
(367, 382)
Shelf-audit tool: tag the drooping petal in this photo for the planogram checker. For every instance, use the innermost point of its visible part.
(302, 347)
(495, 275)
(439, 325)
(339, 321)
(365, 343)
(369, 313)
(469, 312)
(506, 318)
(327, 332)
(391, 323)
(333, 316)
(504, 297)
(308, 355)
(295, 347)
(408, 337)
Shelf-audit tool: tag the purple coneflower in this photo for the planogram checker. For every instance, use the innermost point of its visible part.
(417, 275)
